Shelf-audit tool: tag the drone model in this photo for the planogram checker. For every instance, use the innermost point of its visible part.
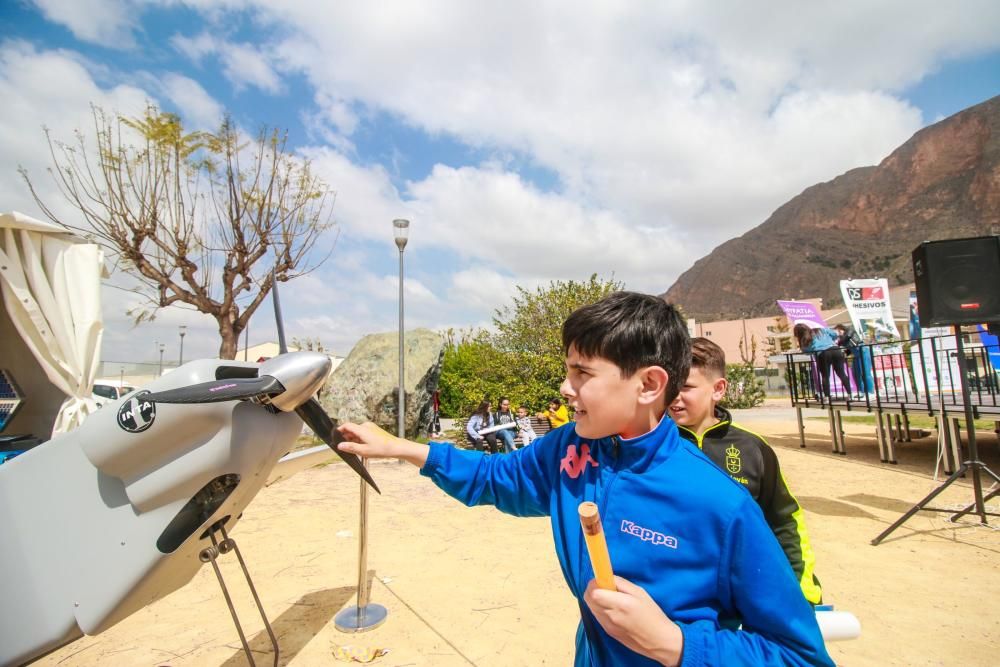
(106, 519)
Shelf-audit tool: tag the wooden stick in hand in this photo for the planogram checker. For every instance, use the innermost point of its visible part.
(597, 547)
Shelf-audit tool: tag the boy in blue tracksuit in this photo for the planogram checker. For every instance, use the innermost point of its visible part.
(693, 554)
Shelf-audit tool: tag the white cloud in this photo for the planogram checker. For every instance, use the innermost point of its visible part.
(106, 22)
(195, 48)
(367, 201)
(199, 108)
(53, 90)
(243, 64)
(670, 127)
(694, 119)
(481, 288)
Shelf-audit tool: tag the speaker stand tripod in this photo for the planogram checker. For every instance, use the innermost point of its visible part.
(977, 467)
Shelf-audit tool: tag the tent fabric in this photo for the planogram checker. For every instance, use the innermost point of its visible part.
(51, 286)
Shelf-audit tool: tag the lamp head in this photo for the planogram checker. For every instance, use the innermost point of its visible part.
(183, 329)
(400, 232)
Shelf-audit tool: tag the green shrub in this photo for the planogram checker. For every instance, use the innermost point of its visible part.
(745, 390)
(522, 358)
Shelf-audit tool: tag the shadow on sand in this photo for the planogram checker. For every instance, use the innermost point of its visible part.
(295, 627)
(881, 502)
(830, 507)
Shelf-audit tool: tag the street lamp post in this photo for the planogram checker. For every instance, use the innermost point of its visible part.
(400, 232)
(183, 330)
(367, 615)
(162, 347)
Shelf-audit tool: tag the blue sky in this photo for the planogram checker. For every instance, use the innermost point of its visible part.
(526, 141)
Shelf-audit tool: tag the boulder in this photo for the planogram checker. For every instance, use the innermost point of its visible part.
(365, 385)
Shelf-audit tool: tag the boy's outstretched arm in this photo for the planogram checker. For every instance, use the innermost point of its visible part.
(632, 617)
(371, 441)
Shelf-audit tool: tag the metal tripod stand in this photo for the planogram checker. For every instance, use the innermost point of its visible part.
(973, 464)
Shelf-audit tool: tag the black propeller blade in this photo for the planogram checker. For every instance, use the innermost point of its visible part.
(216, 391)
(313, 414)
(282, 348)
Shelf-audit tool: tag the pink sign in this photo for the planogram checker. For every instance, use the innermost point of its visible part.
(804, 312)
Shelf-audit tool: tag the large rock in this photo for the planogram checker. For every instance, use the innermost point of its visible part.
(365, 385)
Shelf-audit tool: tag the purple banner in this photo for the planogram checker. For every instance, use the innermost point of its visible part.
(802, 311)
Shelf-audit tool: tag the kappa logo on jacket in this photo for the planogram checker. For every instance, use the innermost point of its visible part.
(647, 535)
(575, 462)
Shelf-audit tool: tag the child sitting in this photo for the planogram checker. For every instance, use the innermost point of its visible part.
(524, 429)
(557, 414)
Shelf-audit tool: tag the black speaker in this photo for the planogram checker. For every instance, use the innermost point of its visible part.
(958, 281)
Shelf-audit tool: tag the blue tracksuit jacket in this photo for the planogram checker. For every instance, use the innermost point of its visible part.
(675, 524)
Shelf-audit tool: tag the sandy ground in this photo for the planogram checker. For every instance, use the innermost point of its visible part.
(475, 587)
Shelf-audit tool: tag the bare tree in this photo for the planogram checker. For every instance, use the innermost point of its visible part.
(197, 218)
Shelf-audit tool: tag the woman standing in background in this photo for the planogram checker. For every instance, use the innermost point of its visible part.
(822, 342)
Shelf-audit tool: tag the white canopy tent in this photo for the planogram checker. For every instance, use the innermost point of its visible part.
(50, 280)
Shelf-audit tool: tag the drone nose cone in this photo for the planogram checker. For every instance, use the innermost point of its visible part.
(300, 373)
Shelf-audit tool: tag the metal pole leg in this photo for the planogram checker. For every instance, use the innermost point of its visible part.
(802, 428)
(881, 435)
(956, 442)
(229, 544)
(365, 615)
(841, 437)
(950, 461)
(210, 555)
(834, 436)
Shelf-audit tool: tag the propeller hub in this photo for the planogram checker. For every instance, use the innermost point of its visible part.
(300, 373)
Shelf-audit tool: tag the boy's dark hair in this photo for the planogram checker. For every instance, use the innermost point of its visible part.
(632, 331)
(556, 401)
(708, 356)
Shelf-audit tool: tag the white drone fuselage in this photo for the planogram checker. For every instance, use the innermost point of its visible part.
(102, 521)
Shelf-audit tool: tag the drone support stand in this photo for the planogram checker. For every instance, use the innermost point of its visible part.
(365, 615)
(209, 555)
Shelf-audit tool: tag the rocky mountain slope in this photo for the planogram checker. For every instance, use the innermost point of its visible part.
(944, 182)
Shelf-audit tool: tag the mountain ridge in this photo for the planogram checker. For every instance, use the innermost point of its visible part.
(943, 182)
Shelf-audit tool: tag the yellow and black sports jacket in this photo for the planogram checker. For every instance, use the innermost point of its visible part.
(749, 460)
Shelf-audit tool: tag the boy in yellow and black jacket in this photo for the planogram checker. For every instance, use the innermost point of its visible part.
(745, 456)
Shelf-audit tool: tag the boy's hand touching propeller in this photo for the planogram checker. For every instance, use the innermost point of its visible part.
(372, 441)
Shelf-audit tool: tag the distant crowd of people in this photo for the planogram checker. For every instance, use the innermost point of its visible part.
(489, 431)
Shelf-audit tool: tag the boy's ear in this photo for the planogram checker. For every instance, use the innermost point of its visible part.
(654, 384)
(719, 389)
